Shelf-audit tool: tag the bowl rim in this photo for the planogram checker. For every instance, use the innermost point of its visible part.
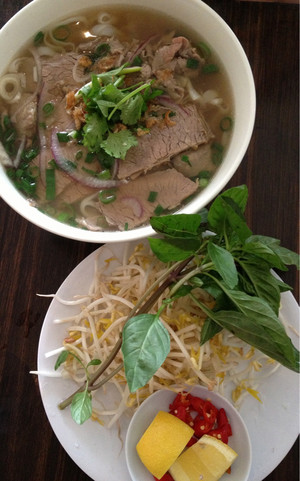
(23, 207)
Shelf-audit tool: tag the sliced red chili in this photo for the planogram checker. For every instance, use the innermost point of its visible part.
(166, 477)
(192, 441)
(196, 403)
(183, 413)
(180, 400)
(210, 412)
(201, 426)
(222, 417)
(220, 433)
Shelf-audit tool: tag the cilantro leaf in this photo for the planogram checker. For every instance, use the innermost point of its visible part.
(132, 110)
(118, 143)
(94, 130)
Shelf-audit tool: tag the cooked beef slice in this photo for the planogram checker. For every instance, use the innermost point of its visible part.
(162, 143)
(25, 115)
(173, 57)
(192, 162)
(132, 206)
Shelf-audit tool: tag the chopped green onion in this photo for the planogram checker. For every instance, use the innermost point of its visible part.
(137, 61)
(102, 49)
(107, 196)
(186, 159)
(78, 155)
(158, 210)
(203, 182)
(204, 49)
(192, 63)
(63, 136)
(61, 33)
(90, 156)
(50, 184)
(152, 196)
(38, 39)
(204, 174)
(217, 153)
(29, 154)
(126, 226)
(104, 174)
(48, 108)
(226, 124)
(210, 68)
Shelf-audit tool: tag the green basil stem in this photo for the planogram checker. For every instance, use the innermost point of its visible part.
(172, 274)
(188, 276)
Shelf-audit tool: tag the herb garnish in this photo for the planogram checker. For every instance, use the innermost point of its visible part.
(109, 102)
(217, 251)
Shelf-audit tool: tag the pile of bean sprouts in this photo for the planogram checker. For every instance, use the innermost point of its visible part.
(223, 362)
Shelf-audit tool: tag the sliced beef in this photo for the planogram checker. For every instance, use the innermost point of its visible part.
(162, 143)
(192, 162)
(25, 115)
(132, 206)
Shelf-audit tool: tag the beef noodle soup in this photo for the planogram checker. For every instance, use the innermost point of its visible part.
(106, 120)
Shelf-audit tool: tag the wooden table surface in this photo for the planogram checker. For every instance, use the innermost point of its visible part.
(33, 261)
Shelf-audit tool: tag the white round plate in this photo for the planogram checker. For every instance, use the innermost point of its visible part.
(273, 424)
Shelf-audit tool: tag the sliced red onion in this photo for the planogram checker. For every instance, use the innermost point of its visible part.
(67, 167)
(135, 205)
(141, 47)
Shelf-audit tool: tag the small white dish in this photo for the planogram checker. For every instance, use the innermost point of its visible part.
(160, 401)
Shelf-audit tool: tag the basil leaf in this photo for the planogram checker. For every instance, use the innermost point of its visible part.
(173, 249)
(259, 249)
(145, 346)
(216, 214)
(209, 329)
(81, 407)
(61, 359)
(265, 335)
(94, 362)
(179, 225)
(224, 264)
(263, 283)
(287, 256)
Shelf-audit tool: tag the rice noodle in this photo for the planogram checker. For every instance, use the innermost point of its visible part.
(10, 87)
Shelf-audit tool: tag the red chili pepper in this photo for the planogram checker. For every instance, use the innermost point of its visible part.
(166, 477)
(201, 426)
(221, 433)
(210, 412)
(182, 413)
(180, 400)
(192, 441)
(196, 403)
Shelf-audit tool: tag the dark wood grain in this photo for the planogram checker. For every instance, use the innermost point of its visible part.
(33, 261)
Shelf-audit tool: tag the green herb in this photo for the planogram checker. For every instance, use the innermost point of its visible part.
(214, 250)
(107, 196)
(48, 108)
(152, 196)
(101, 51)
(158, 209)
(204, 49)
(81, 406)
(126, 226)
(50, 184)
(63, 136)
(106, 104)
(192, 63)
(210, 68)
(226, 124)
(217, 151)
(61, 33)
(185, 158)
(38, 39)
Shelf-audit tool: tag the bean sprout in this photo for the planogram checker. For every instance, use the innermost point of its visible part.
(92, 333)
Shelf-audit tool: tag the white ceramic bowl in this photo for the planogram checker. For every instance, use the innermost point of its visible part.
(159, 401)
(194, 13)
